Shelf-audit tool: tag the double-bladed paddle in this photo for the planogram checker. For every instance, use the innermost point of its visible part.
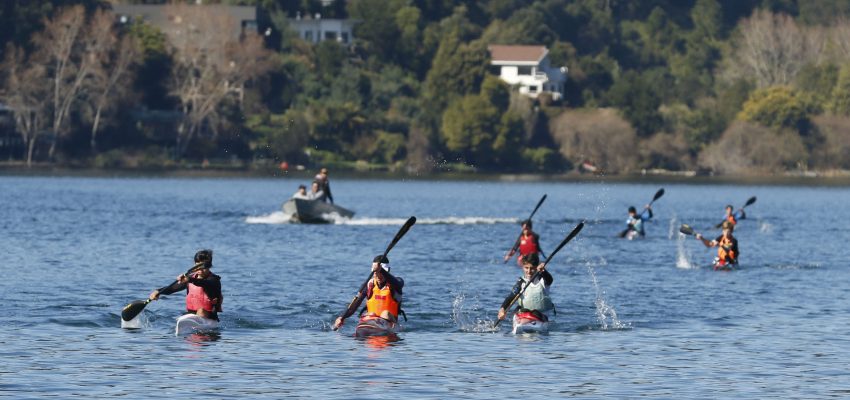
(687, 230)
(516, 243)
(133, 309)
(398, 236)
(750, 201)
(657, 196)
(566, 240)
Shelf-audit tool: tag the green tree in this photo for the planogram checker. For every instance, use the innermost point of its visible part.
(778, 107)
(637, 97)
(468, 129)
(839, 103)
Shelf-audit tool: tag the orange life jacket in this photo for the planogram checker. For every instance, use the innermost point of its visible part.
(197, 299)
(731, 218)
(382, 299)
(724, 254)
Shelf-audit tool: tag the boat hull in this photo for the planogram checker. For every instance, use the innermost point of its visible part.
(190, 323)
(527, 322)
(314, 211)
(373, 325)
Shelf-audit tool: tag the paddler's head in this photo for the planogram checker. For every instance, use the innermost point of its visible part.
(632, 211)
(526, 225)
(204, 258)
(384, 263)
(728, 227)
(530, 263)
(729, 209)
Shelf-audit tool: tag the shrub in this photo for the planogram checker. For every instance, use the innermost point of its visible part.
(833, 151)
(596, 135)
(748, 148)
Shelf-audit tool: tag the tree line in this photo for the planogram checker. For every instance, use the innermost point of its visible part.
(720, 86)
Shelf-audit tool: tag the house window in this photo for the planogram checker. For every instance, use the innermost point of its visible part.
(330, 35)
(523, 71)
(308, 36)
(532, 89)
(345, 37)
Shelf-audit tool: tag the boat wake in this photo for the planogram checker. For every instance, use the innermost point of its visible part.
(278, 217)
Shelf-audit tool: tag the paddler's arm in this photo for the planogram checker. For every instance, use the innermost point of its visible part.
(507, 303)
(705, 241)
(647, 209)
(166, 290)
(351, 308)
(546, 276)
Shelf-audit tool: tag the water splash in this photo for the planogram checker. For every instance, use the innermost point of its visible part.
(671, 230)
(605, 313)
(139, 322)
(277, 217)
(463, 315)
(765, 227)
(683, 256)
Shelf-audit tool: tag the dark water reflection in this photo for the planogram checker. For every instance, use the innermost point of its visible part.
(635, 318)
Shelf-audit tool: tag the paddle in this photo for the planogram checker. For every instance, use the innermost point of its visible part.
(657, 196)
(398, 236)
(516, 243)
(749, 202)
(133, 309)
(566, 240)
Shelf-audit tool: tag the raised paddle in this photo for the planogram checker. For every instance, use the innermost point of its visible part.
(398, 236)
(749, 202)
(566, 240)
(516, 243)
(133, 309)
(657, 196)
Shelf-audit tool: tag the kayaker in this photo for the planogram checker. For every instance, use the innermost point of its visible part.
(733, 216)
(528, 243)
(203, 288)
(536, 297)
(316, 192)
(383, 294)
(727, 247)
(301, 193)
(325, 184)
(634, 225)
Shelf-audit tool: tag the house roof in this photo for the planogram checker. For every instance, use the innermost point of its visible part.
(501, 53)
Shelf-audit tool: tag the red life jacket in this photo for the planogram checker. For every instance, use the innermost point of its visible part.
(528, 245)
(197, 299)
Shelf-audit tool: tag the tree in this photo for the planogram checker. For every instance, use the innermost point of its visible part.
(778, 107)
(746, 148)
(27, 92)
(599, 136)
(839, 104)
(211, 66)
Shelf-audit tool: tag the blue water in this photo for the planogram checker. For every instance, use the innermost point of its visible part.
(635, 318)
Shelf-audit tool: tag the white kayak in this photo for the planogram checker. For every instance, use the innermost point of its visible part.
(190, 323)
(373, 325)
(528, 322)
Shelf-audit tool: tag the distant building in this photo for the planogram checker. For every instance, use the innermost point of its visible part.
(528, 68)
(316, 29)
(245, 17)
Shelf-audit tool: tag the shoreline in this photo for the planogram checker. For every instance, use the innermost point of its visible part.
(833, 179)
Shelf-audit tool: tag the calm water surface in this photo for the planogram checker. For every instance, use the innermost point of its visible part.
(635, 318)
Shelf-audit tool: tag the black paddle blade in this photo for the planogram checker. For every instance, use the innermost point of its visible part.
(750, 201)
(404, 228)
(658, 194)
(133, 309)
(686, 229)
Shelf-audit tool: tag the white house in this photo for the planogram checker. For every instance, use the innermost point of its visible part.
(316, 29)
(528, 68)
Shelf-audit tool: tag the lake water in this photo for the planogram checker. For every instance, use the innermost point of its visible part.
(635, 318)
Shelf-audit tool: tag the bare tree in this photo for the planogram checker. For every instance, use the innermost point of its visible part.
(599, 136)
(27, 92)
(212, 63)
(772, 49)
(115, 59)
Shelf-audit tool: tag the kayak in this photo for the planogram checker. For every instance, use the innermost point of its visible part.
(314, 211)
(373, 325)
(529, 322)
(724, 266)
(190, 323)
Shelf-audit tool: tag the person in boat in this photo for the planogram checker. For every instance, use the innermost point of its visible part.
(733, 216)
(383, 294)
(727, 247)
(316, 192)
(528, 243)
(536, 297)
(324, 184)
(301, 193)
(634, 225)
(203, 288)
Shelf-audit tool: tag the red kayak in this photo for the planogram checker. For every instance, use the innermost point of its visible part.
(530, 322)
(373, 325)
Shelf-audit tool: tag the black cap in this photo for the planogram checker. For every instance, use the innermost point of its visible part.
(380, 258)
(205, 256)
(632, 210)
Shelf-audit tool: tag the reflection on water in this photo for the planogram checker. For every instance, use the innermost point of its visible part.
(380, 342)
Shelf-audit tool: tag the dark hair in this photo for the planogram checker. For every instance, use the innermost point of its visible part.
(205, 256)
(531, 258)
(632, 209)
(380, 258)
(527, 223)
(302, 187)
(729, 206)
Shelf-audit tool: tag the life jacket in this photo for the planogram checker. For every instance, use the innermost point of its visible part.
(723, 254)
(197, 299)
(731, 218)
(536, 296)
(528, 245)
(382, 299)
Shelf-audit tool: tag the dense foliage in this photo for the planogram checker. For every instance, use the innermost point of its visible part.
(730, 86)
